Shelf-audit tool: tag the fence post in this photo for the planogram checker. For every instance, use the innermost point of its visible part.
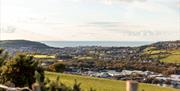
(131, 86)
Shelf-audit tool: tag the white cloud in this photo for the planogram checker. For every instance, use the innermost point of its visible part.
(7, 29)
(92, 19)
(110, 2)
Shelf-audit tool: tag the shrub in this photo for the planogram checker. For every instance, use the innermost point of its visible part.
(57, 67)
(19, 70)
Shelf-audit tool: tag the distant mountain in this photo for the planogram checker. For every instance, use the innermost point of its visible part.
(22, 44)
(39, 45)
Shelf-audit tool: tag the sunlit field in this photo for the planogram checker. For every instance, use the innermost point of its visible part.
(102, 84)
(44, 56)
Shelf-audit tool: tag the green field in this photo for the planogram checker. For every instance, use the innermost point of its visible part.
(173, 56)
(152, 51)
(84, 58)
(44, 56)
(102, 84)
(171, 59)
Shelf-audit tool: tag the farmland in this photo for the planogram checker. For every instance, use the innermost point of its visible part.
(173, 58)
(101, 84)
(169, 56)
(44, 56)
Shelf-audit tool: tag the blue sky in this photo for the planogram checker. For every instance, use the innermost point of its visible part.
(94, 20)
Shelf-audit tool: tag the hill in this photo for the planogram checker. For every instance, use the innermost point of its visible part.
(167, 51)
(21, 43)
(101, 84)
(166, 45)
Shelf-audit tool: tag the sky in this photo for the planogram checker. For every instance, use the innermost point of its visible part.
(90, 20)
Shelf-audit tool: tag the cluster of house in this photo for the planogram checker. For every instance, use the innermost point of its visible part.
(172, 80)
(140, 76)
(103, 53)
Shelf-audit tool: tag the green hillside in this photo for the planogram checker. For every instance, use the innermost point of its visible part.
(22, 43)
(101, 84)
(170, 55)
(171, 59)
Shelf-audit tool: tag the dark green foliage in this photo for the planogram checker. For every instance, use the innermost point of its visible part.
(19, 70)
(57, 67)
(40, 70)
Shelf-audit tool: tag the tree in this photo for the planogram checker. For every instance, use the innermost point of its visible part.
(57, 67)
(19, 70)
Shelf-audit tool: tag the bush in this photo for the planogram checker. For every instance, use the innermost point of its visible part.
(19, 70)
(57, 67)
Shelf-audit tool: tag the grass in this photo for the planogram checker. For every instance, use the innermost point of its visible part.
(84, 58)
(44, 56)
(173, 56)
(101, 84)
(175, 52)
(155, 51)
(171, 59)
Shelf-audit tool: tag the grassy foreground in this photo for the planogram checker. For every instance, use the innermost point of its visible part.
(101, 84)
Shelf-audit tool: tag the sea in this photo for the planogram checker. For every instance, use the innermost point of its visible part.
(62, 44)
